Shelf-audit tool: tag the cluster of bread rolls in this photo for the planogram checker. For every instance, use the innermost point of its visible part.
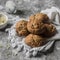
(36, 30)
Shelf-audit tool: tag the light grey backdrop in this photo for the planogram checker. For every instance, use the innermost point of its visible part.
(36, 5)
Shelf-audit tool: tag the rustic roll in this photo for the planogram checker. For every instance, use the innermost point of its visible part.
(21, 28)
(34, 40)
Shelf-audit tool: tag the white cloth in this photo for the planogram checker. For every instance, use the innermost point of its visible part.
(53, 13)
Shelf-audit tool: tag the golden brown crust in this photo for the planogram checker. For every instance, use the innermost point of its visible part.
(41, 17)
(35, 40)
(21, 28)
(35, 27)
(36, 23)
(50, 30)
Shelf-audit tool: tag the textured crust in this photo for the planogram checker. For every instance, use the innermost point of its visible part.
(35, 40)
(21, 28)
(36, 23)
(41, 17)
(50, 30)
(35, 27)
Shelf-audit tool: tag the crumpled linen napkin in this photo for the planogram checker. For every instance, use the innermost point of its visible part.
(18, 44)
(53, 13)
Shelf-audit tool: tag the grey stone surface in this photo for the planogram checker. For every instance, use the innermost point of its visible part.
(5, 49)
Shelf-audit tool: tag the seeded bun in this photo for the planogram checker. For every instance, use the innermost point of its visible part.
(34, 40)
(21, 28)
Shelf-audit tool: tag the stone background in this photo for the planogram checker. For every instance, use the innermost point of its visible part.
(36, 5)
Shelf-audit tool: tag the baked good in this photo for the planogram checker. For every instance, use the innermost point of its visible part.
(36, 23)
(35, 27)
(41, 17)
(21, 28)
(50, 30)
(34, 40)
